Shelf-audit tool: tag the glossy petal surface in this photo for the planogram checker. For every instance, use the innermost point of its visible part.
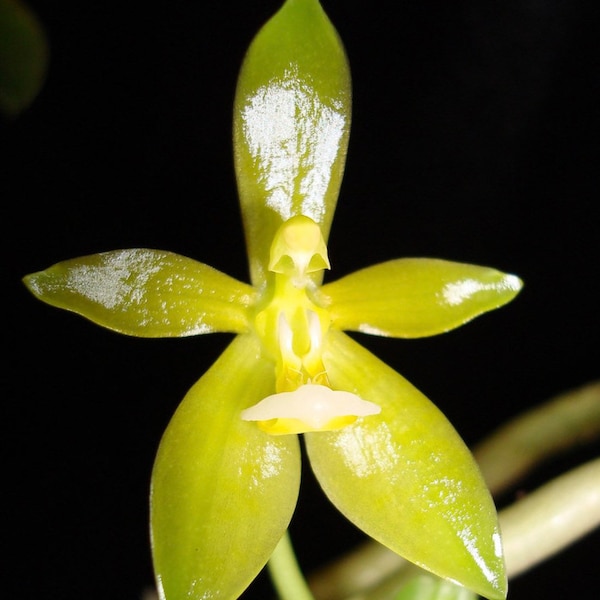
(416, 297)
(146, 293)
(291, 125)
(223, 491)
(405, 476)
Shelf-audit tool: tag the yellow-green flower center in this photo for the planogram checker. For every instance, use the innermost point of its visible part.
(292, 326)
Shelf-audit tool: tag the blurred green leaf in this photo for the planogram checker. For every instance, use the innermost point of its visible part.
(23, 57)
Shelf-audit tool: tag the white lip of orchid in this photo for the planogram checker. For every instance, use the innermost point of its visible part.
(311, 407)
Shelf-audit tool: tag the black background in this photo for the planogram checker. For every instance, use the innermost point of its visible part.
(474, 138)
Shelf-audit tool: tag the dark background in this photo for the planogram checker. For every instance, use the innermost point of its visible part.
(474, 139)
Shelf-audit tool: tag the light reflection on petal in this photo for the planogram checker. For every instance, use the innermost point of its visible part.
(294, 152)
(456, 292)
(369, 450)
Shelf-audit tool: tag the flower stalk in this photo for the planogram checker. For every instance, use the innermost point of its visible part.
(286, 574)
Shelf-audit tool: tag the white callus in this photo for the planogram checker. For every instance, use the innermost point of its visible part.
(309, 408)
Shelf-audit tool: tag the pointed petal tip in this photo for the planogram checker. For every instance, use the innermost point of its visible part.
(513, 283)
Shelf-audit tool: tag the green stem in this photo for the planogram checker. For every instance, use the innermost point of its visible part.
(286, 574)
(514, 449)
(551, 518)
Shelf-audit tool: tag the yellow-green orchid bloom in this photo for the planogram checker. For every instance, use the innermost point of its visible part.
(226, 477)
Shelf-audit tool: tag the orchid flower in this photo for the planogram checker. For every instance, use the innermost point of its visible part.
(226, 477)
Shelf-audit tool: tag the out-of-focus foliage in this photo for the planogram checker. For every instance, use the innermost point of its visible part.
(23, 57)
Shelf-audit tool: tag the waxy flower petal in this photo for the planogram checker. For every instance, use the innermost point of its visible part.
(405, 477)
(146, 293)
(291, 125)
(416, 297)
(223, 491)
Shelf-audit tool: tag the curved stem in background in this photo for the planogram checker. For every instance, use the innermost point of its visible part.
(514, 449)
(368, 566)
(286, 574)
(551, 518)
(533, 529)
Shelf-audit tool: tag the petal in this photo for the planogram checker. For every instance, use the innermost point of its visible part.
(146, 293)
(223, 492)
(416, 297)
(405, 477)
(291, 125)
